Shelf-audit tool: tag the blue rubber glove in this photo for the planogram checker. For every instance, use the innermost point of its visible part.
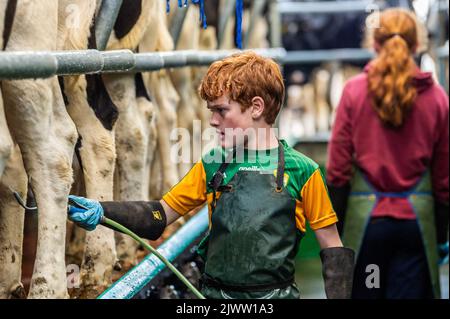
(443, 254)
(87, 219)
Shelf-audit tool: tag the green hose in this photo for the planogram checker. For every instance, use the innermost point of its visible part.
(109, 222)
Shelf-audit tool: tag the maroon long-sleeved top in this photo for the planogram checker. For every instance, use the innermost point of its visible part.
(393, 160)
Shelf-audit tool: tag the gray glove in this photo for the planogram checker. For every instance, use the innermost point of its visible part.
(337, 269)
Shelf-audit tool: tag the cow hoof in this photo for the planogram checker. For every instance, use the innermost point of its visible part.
(18, 292)
(117, 266)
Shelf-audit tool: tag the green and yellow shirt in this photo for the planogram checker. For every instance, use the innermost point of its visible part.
(302, 178)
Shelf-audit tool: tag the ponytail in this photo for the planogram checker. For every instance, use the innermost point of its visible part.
(391, 73)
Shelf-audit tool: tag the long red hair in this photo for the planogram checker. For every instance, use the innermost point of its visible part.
(391, 73)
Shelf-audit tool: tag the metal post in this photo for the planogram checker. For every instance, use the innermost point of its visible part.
(106, 19)
(228, 10)
(176, 25)
(442, 54)
(256, 11)
(275, 25)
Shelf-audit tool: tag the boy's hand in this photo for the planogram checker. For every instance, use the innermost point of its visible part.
(87, 218)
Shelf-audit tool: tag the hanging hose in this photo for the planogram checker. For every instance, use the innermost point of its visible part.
(121, 228)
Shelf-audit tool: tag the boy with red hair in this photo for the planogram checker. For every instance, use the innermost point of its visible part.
(259, 192)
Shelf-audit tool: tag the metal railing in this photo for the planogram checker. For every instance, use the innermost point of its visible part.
(321, 7)
(24, 65)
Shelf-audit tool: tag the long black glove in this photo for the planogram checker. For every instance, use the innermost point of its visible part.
(441, 221)
(339, 198)
(146, 219)
(338, 265)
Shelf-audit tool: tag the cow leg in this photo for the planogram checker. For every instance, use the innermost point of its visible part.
(11, 227)
(322, 78)
(46, 137)
(76, 236)
(132, 135)
(156, 176)
(40, 125)
(185, 114)
(5, 138)
(97, 153)
(147, 110)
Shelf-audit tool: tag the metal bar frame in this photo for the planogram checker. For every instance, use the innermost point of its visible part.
(326, 7)
(32, 64)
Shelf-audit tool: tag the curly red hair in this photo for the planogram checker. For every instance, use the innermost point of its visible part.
(244, 76)
(391, 73)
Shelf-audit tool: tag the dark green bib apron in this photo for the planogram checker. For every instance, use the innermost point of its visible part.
(253, 239)
(364, 198)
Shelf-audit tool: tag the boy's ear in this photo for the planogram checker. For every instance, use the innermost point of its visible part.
(258, 107)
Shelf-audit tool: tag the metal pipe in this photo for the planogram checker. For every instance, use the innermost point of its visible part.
(79, 62)
(176, 25)
(27, 65)
(325, 7)
(256, 11)
(118, 61)
(228, 10)
(136, 279)
(106, 20)
(20, 65)
(317, 56)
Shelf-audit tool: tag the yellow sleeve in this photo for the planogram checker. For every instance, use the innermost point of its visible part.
(317, 204)
(190, 192)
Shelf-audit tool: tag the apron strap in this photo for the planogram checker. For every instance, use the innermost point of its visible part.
(378, 194)
(218, 176)
(280, 169)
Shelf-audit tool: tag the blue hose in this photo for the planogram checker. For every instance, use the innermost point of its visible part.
(239, 14)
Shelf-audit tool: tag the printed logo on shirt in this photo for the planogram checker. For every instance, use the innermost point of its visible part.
(250, 169)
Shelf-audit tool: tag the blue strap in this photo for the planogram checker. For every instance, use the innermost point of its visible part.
(239, 14)
(202, 12)
(378, 194)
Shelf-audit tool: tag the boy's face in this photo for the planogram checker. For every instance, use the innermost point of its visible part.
(229, 121)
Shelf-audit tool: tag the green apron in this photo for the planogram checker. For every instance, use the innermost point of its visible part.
(363, 199)
(251, 247)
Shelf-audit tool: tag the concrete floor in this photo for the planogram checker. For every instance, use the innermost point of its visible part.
(309, 279)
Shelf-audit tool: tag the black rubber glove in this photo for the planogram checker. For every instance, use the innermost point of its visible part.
(146, 219)
(441, 221)
(339, 197)
(338, 265)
